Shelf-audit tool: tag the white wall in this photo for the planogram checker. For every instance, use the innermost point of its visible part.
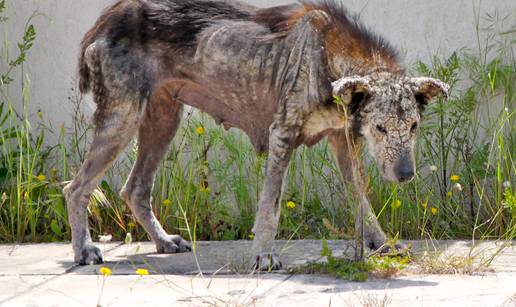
(420, 28)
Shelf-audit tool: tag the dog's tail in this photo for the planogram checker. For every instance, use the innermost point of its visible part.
(89, 67)
(90, 73)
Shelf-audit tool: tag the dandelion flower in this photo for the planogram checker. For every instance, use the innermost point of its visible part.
(454, 177)
(433, 168)
(199, 130)
(450, 194)
(204, 189)
(434, 210)
(251, 236)
(41, 177)
(291, 205)
(396, 204)
(142, 272)
(128, 238)
(105, 238)
(424, 205)
(167, 202)
(105, 271)
(458, 187)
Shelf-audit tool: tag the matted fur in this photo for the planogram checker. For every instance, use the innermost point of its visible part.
(272, 73)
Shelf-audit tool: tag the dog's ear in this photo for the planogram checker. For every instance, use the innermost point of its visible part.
(352, 91)
(426, 89)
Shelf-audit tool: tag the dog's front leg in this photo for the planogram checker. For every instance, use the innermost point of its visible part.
(267, 218)
(374, 237)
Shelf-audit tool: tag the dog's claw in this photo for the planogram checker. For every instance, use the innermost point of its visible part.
(173, 244)
(396, 249)
(267, 262)
(90, 254)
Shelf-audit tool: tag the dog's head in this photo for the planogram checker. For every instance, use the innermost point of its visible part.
(385, 110)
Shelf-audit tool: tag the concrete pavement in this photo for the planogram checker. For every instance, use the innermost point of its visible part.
(44, 275)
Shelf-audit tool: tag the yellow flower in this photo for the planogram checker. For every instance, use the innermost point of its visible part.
(450, 194)
(105, 271)
(454, 177)
(434, 210)
(396, 204)
(41, 177)
(167, 202)
(251, 236)
(424, 205)
(204, 189)
(40, 114)
(291, 205)
(142, 272)
(199, 130)
(131, 225)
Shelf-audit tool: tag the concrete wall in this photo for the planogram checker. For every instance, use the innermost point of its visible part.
(420, 28)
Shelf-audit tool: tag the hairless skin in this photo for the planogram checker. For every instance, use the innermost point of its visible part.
(272, 73)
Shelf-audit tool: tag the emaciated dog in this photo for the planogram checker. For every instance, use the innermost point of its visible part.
(271, 72)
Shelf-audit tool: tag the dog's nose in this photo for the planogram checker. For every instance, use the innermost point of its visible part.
(405, 175)
(405, 170)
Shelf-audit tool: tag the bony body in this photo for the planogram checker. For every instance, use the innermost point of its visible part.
(273, 73)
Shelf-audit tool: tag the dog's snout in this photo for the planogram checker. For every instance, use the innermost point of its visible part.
(405, 170)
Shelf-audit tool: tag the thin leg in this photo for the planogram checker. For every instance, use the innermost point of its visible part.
(374, 238)
(162, 118)
(269, 205)
(112, 135)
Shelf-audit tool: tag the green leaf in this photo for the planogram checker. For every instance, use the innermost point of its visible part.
(55, 228)
(326, 252)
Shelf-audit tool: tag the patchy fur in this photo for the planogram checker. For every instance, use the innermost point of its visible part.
(269, 72)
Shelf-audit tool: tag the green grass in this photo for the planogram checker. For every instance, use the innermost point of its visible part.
(208, 184)
(344, 268)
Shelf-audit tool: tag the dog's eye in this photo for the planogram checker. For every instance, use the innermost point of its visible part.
(413, 128)
(356, 102)
(381, 129)
(357, 97)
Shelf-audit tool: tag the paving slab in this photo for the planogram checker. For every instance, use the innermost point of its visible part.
(152, 290)
(432, 290)
(43, 259)
(221, 257)
(15, 285)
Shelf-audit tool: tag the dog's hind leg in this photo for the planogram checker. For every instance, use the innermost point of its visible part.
(116, 125)
(161, 120)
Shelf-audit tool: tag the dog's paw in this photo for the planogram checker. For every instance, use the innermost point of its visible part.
(387, 248)
(90, 254)
(173, 244)
(267, 262)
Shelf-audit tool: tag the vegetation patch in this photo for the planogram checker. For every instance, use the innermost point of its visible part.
(347, 269)
(437, 263)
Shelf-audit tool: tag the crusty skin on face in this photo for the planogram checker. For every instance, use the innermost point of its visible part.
(272, 73)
